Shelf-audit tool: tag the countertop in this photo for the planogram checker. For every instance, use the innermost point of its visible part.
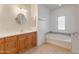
(17, 33)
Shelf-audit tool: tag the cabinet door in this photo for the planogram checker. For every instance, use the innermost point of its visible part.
(11, 44)
(34, 40)
(21, 39)
(28, 41)
(1, 46)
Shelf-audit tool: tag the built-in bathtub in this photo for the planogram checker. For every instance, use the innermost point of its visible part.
(59, 39)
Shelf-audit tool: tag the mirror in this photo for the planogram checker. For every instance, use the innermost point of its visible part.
(21, 19)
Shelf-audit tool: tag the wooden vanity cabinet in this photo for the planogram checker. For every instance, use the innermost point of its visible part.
(30, 40)
(10, 46)
(18, 43)
(21, 42)
(26, 41)
(2, 46)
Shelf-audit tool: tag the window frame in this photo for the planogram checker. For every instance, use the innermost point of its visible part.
(60, 28)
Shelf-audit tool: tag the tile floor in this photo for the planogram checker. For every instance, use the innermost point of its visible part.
(48, 49)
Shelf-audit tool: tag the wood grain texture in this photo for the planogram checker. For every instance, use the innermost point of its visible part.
(21, 42)
(2, 46)
(18, 43)
(11, 44)
(34, 39)
(28, 41)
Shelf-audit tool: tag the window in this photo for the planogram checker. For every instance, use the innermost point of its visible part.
(61, 22)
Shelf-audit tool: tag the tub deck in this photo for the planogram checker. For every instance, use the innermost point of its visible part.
(59, 39)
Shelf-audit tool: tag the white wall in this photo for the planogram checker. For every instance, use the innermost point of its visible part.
(8, 23)
(77, 18)
(43, 25)
(69, 11)
(75, 38)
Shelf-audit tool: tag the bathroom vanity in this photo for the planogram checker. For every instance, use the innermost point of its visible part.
(18, 43)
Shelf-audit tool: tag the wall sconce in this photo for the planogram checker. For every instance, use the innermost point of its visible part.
(21, 9)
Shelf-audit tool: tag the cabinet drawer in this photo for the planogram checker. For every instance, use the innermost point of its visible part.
(20, 37)
(29, 36)
(12, 38)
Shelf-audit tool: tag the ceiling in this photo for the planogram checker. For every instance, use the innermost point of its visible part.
(52, 6)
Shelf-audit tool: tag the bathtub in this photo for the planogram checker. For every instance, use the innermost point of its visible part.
(59, 40)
